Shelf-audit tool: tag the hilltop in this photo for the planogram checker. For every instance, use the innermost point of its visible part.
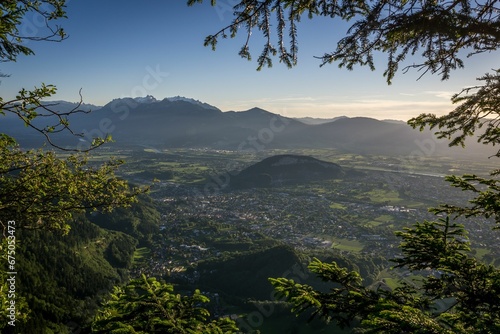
(286, 169)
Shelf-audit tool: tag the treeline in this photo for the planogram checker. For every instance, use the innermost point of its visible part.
(64, 278)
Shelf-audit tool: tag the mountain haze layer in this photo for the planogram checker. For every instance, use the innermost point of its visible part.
(180, 122)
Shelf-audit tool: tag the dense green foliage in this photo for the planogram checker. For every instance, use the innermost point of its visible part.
(140, 220)
(12, 12)
(437, 250)
(146, 305)
(477, 113)
(43, 195)
(63, 277)
(40, 190)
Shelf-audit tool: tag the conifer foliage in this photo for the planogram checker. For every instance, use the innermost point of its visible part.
(438, 30)
(146, 305)
(439, 251)
(440, 35)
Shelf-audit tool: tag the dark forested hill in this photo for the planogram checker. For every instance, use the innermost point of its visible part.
(286, 169)
(246, 275)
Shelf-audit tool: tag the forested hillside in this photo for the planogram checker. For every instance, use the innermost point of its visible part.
(64, 278)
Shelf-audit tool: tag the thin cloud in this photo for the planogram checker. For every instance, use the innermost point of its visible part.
(402, 106)
(440, 94)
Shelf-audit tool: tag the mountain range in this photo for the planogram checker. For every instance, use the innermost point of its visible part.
(180, 122)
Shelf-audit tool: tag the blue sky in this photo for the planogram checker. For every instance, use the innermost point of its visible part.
(133, 48)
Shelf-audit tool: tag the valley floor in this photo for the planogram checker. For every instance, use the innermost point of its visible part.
(206, 231)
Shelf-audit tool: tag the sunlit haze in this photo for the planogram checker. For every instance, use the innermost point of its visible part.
(138, 48)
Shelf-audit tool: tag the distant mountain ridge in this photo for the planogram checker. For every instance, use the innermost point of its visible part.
(180, 122)
(190, 100)
(316, 121)
(149, 99)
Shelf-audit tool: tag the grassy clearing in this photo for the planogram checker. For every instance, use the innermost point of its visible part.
(385, 219)
(383, 196)
(389, 278)
(372, 223)
(380, 220)
(392, 283)
(337, 206)
(347, 244)
(481, 252)
(182, 172)
(416, 205)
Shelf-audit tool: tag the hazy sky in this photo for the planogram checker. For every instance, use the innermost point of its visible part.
(134, 48)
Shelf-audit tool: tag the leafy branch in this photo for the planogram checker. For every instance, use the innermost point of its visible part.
(28, 106)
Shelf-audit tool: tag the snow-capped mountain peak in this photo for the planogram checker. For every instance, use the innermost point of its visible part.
(146, 99)
(190, 100)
